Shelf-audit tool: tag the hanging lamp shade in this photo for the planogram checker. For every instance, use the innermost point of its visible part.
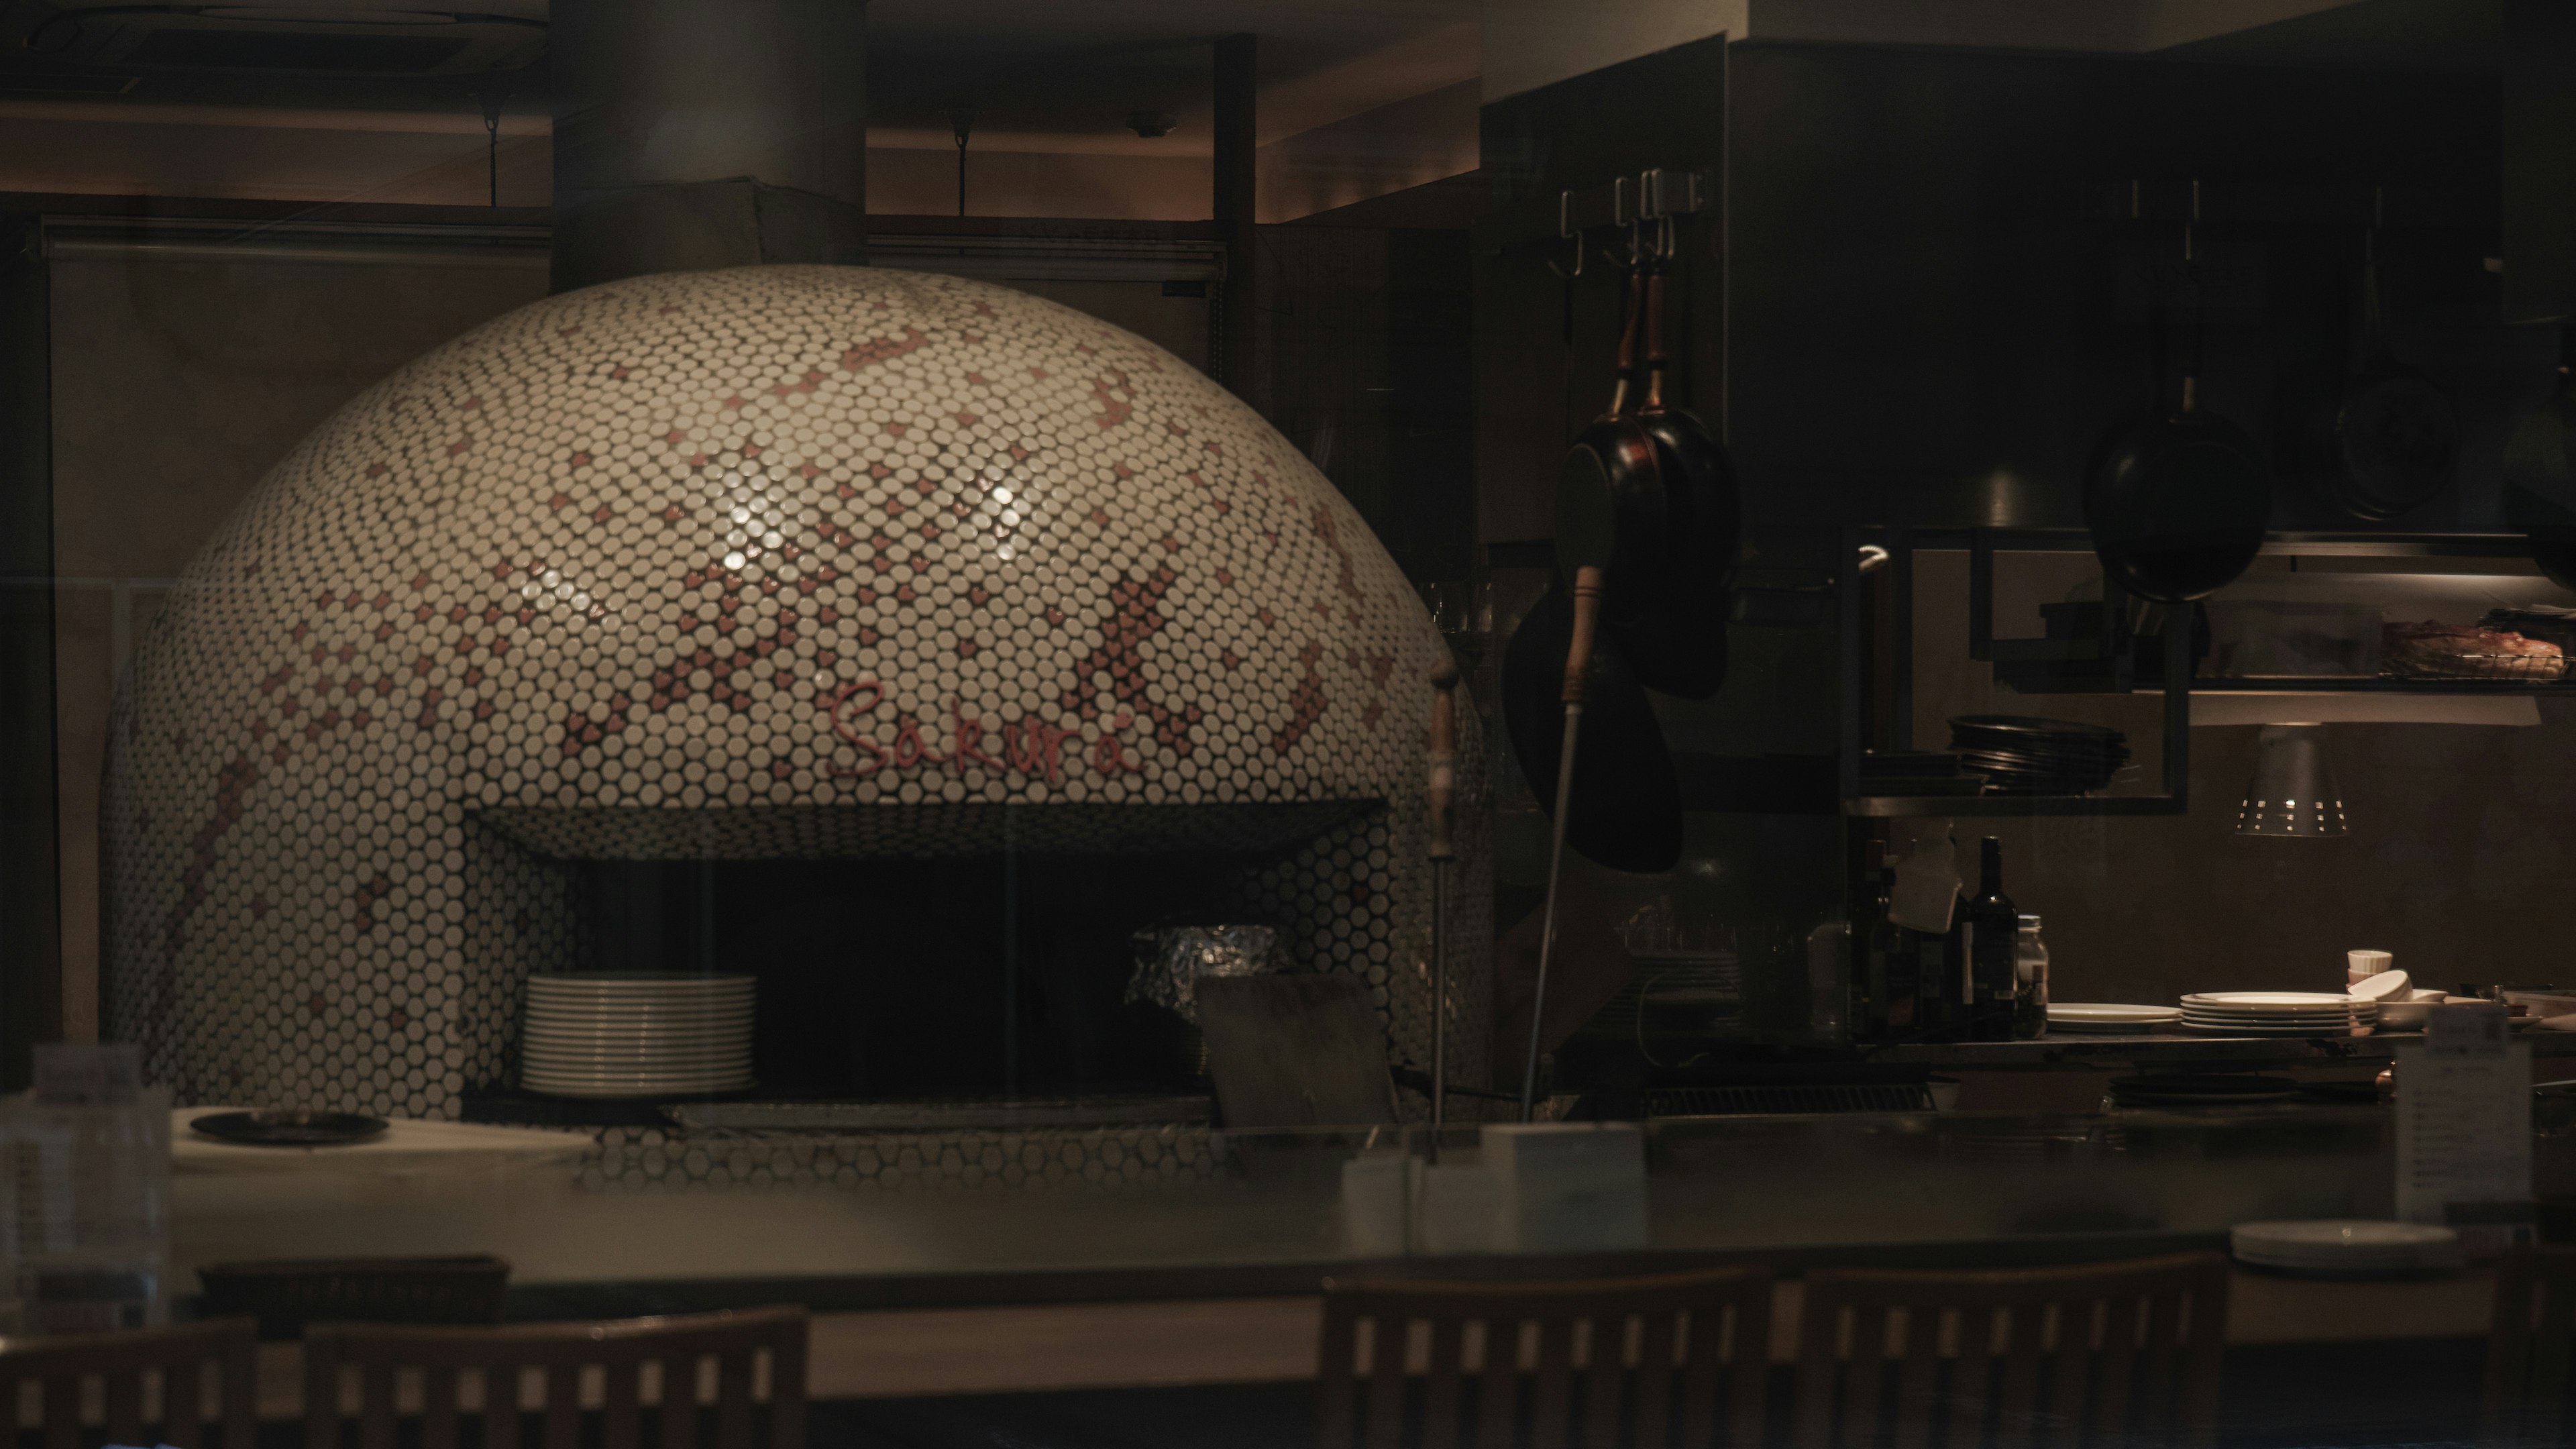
(2293, 792)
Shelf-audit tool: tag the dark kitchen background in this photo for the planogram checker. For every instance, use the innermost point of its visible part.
(1928, 283)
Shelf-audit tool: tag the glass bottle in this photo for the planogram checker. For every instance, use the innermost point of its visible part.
(2030, 982)
(1993, 927)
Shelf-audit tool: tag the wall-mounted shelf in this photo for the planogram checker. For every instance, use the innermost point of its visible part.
(2040, 677)
(1989, 807)
(2112, 1052)
(2173, 667)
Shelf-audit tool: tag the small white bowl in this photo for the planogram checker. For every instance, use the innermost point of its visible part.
(2403, 1015)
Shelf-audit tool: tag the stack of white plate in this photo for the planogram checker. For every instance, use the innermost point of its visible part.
(2337, 1247)
(636, 1034)
(2276, 1013)
(2104, 1016)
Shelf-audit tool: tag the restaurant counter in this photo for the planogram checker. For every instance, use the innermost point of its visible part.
(1098, 1259)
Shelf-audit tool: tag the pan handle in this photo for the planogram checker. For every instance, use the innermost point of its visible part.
(1587, 623)
(1444, 756)
(1655, 358)
(1621, 392)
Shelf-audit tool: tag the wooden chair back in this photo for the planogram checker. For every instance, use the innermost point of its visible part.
(149, 1379)
(2530, 1348)
(2114, 1353)
(1663, 1361)
(580, 1364)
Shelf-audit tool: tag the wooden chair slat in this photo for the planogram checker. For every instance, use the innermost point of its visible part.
(1918, 1374)
(563, 1406)
(121, 1406)
(1659, 1339)
(500, 1400)
(733, 1399)
(1533, 1401)
(1552, 1384)
(2153, 1378)
(680, 1402)
(563, 1352)
(438, 1408)
(1498, 1396)
(2017, 1387)
(1335, 1386)
(376, 1407)
(183, 1406)
(1971, 1374)
(62, 1411)
(1605, 1379)
(124, 1363)
(1388, 1332)
(620, 1412)
(1443, 1381)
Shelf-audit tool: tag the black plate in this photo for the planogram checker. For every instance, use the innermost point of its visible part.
(2052, 729)
(288, 1129)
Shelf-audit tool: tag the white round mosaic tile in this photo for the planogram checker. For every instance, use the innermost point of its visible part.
(848, 556)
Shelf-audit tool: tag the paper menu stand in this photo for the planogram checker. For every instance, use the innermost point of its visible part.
(87, 1156)
(2464, 1128)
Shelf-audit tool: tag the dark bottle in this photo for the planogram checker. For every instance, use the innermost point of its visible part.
(1993, 926)
(1938, 1016)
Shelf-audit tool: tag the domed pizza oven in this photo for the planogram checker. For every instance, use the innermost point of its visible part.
(791, 619)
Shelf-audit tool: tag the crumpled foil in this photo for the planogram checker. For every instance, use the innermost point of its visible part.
(1171, 961)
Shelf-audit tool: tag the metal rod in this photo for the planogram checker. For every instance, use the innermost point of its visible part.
(1578, 664)
(1441, 791)
(1439, 997)
(1010, 951)
(1547, 920)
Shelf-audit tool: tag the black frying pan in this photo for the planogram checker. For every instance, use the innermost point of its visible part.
(2540, 473)
(2178, 501)
(2395, 438)
(1627, 814)
(1611, 510)
(1679, 646)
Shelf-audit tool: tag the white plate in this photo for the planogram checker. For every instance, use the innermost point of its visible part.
(2382, 986)
(637, 1061)
(2282, 1013)
(691, 1077)
(641, 1056)
(743, 1017)
(679, 980)
(2202, 1028)
(2340, 1240)
(2267, 998)
(2103, 1013)
(637, 1030)
(651, 1090)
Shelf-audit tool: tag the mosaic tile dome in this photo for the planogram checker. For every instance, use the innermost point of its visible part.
(779, 560)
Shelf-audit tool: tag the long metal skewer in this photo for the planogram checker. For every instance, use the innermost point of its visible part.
(1443, 792)
(1578, 664)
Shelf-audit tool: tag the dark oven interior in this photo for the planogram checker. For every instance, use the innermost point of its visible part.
(896, 980)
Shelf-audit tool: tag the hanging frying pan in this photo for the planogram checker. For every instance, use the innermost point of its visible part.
(2540, 473)
(1628, 813)
(1611, 509)
(2178, 501)
(1679, 646)
(2395, 436)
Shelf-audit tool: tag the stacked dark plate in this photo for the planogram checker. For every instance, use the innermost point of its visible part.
(2019, 755)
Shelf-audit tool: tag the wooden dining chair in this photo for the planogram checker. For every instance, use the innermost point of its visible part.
(2530, 1347)
(2105, 1354)
(623, 1367)
(149, 1379)
(1659, 1362)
